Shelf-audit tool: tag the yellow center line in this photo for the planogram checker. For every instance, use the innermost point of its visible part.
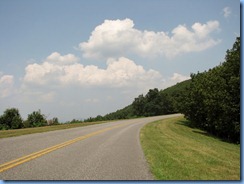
(21, 160)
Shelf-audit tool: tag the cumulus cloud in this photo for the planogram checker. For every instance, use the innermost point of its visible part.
(6, 85)
(58, 59)
(121, 72)
(116, 38)
(227, 12)
(50, 70)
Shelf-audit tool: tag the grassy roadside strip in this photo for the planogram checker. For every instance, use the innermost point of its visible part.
(24, 131)
(175, 151)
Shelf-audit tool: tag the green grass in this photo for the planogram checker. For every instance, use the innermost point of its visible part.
(24, 131)
(175, 151)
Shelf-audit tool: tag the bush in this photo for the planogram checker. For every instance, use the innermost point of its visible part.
(11, 119)
(36, 119)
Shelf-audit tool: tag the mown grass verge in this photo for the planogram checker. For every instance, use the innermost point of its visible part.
(175, 151)
(24, 131)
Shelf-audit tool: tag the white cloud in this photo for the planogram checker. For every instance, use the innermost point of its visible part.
(117, 38)
(178, 78)
(6, 85)
(58, 59)
(227, 12)
(121, 72)
(50, 70)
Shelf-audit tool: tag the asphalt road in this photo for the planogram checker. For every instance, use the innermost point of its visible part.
(109, 151)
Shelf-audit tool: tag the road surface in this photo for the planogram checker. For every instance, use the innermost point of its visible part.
(109, 151)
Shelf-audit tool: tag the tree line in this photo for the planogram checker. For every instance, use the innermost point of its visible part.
(155, 102)
(11, 119)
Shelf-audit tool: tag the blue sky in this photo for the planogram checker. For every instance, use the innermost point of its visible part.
(77, 58)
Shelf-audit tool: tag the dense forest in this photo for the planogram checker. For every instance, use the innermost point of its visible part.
(209, 100)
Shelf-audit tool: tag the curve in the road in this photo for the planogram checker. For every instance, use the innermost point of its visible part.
(109, 151)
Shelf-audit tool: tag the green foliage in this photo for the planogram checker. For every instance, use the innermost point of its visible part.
(124, 113)
(177, 94)
(139, 105)
(26, 124)
(36, 119)
(213, 100)
(11, 119)
(152, 106)
(154, 103)
(162, 102)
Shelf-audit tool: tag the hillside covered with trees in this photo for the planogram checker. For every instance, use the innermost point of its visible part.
(155, 102)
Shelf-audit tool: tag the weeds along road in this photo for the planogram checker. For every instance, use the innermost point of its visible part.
(109, 151)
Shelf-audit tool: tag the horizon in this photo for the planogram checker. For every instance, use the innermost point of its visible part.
(79, 59)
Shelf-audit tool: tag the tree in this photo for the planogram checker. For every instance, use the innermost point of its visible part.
(175, 96)
(2, 124)
(139, 105)
(166, 104)
(53, 121)
(213, 100)
(157, 103)
(36, 119)
(11, 119)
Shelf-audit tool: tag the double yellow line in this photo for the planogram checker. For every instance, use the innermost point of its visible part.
(34, 155)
